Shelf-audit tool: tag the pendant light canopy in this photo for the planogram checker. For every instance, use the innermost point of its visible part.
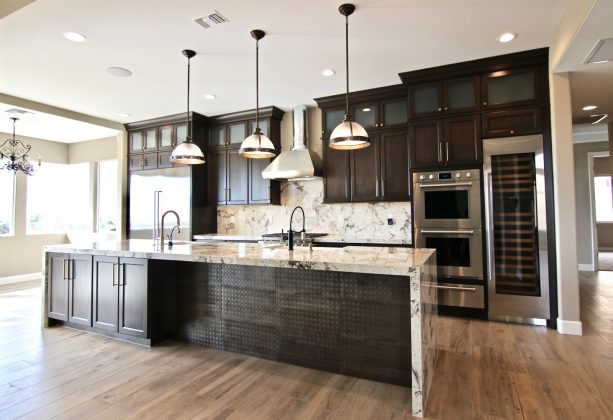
(348, 135)
(187, 153)
(257, 145)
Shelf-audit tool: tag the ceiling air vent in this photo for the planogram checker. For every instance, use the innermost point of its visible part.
(212, 19)
(18, 111)
(602, 52)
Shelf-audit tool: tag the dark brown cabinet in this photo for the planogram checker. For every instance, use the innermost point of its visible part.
(456, 95)
(395, 179)
(515, 122)
(70, 288)
(336, 175)
(513, 87)
(365, 169)
(120, 295)
(446, 142)
(232, 179)
(384, 114)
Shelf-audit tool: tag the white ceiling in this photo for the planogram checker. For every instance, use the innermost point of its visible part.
(303, 37)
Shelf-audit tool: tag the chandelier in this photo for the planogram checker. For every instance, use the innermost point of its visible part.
(14, 155)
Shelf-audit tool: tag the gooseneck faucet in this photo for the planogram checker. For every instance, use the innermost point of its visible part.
(162, 227)
(290, 232)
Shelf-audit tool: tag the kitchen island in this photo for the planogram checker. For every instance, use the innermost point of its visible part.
(361, 311)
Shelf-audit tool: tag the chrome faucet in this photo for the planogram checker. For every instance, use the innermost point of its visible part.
(290, 232)
(162, 227)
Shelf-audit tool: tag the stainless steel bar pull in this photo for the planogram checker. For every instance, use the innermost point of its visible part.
(450, 184)
(448, 232)
(459, 288)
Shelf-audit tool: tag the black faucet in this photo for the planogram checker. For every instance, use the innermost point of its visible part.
(290, 232)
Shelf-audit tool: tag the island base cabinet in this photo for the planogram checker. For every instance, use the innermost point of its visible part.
(121, 295)
(70, 288)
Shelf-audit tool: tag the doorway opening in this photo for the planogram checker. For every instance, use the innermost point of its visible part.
(601, 204)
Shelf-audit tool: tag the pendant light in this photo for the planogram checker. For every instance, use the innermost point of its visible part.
(257, 145)
(348, 135)
(187, 153)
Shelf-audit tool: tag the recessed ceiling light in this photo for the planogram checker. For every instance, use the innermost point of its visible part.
(327, 72)
(119, 71)
(210, 96)
(506, 37)
(74, 36)
(589, 107)
(600, 61)
(123, 114)
(366, 109)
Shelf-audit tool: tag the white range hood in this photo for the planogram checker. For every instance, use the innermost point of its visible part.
(295, 164)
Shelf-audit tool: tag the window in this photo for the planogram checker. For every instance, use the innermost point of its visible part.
(58, 199)
(7, 203)
(107, 196)
(603, 198)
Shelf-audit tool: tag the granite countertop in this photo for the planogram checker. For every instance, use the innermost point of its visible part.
(320, 239)
(361, 259)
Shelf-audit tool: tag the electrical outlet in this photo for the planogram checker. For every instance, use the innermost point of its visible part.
(390, 219)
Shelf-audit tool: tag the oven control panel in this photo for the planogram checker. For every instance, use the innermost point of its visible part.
(446, 176)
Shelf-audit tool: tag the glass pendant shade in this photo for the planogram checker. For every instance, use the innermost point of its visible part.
(257, 146)
(187, 153)
(349, 135)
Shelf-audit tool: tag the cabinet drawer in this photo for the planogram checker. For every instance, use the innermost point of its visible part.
(512, 123)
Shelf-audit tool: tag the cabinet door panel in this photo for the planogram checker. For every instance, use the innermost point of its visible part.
(336, 175)
(512, 123)
(150, 141)
(106, 293)
(461, 95)
(166, 137)
(217, 176)
(58, 286)
(150, 160)
(511, 88)
(136, 162)
(425, 137)
(395, 182)
(179, 134)
(330, 119)
(365, 171)
(136, 141)
(394, 113)
(238, 174)
(80, 290)
(259, 191)
(263, 128)
(425, 99)
(366, 115)
(462, 141)
(217, 135)
(237, 132)
(133, 297)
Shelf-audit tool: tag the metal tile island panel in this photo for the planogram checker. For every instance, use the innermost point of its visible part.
(348, 323)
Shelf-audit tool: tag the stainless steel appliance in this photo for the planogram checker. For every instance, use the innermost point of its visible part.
(516, 227)
(447, 217)
(174, 185)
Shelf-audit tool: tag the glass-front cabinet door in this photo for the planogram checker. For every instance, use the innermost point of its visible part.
(136, 141)
(165, 135)
(461, 94)
(511, 88)
(425, 100)
(217, 135)
(263, 127)
(180, 133)
(331, 118)
(393, 113)
(237, 132)
(150, 140)
(366, 115)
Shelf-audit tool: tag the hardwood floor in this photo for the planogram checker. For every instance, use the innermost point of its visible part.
(485, 370)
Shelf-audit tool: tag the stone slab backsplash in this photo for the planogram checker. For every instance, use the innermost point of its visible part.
(349, 221)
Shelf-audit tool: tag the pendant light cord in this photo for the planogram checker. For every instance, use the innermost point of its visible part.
(189, 126)
(347, 65)
(257, 86)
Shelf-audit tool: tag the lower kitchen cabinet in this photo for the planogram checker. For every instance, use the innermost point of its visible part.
(70, 288)
(120, 295)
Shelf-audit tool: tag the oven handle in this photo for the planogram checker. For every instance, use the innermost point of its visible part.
(463, 289)
(449, 232)
(451, 184)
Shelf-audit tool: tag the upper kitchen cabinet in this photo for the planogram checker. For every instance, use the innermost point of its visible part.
(442, 142)
(512, 88)
(234, 180)
(380, 171)
(151, 142)
(455, 95)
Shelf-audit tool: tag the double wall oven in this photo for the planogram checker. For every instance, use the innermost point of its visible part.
(447, 217)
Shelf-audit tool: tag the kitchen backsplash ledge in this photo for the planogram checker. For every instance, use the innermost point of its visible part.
(365, 222)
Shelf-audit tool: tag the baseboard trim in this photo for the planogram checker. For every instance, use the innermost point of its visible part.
(20, 278)
(586, 267)
(570, 327)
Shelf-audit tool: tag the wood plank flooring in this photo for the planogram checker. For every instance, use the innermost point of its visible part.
(486, 370)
